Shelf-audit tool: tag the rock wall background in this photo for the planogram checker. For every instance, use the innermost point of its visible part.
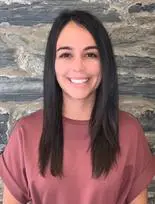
(24, 26)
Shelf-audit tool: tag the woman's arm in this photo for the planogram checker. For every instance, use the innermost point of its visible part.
(8, 198)
(141, 198)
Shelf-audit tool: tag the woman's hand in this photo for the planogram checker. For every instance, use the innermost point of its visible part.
(8, 198)
(141, 198)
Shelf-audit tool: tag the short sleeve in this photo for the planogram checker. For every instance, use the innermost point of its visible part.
(12, 168)
(143, 165)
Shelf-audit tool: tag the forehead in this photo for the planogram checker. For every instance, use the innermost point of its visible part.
(75, 35)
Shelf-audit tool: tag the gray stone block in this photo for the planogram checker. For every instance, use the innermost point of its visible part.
(20, 89)
(130, 85)
(138, 7)
(7, 58)
(136, 64)
(149, 7)
(135, 8)
(3, 130)
(45, 12)
(6, 55)
(148, 120)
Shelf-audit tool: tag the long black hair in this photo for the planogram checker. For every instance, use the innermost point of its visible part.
(104, 121)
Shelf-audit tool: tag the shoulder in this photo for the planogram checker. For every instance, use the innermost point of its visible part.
(133, 142)
(31, 120)
(135, 155)
(28, 127)
(127, 121)
(130, 130)
(127, 117)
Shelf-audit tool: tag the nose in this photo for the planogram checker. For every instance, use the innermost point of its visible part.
(78, 64)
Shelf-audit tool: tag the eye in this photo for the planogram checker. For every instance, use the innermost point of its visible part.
(92, 55)
(65, 55)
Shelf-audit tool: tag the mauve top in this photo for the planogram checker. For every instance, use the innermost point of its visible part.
(19, 170)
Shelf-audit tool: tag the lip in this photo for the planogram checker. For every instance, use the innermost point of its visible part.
(78, 78)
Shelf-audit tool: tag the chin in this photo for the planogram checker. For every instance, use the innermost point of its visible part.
(80, 96)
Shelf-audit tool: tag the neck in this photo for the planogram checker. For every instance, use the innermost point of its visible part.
(78, 109)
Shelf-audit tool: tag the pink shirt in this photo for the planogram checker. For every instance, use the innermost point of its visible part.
(19, 170)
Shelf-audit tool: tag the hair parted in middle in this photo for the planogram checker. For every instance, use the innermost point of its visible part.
(104, 121)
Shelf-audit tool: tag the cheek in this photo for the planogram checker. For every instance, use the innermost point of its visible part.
(94, 69)
(60, 69)
(96, 73)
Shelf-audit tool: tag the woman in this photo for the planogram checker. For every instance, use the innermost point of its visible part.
(80, 149)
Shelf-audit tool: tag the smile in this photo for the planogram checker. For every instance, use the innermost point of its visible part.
(78, 81)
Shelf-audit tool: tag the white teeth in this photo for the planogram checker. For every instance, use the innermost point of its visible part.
(78, 81)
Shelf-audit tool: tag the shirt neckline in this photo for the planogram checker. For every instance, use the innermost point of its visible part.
(75, 122)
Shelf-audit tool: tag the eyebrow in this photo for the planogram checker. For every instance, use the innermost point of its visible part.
(69, 48)
(91, 47)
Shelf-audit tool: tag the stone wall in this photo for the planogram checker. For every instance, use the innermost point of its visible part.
(24, 26)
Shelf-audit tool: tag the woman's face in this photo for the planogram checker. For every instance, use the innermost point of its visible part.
(77, 64)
